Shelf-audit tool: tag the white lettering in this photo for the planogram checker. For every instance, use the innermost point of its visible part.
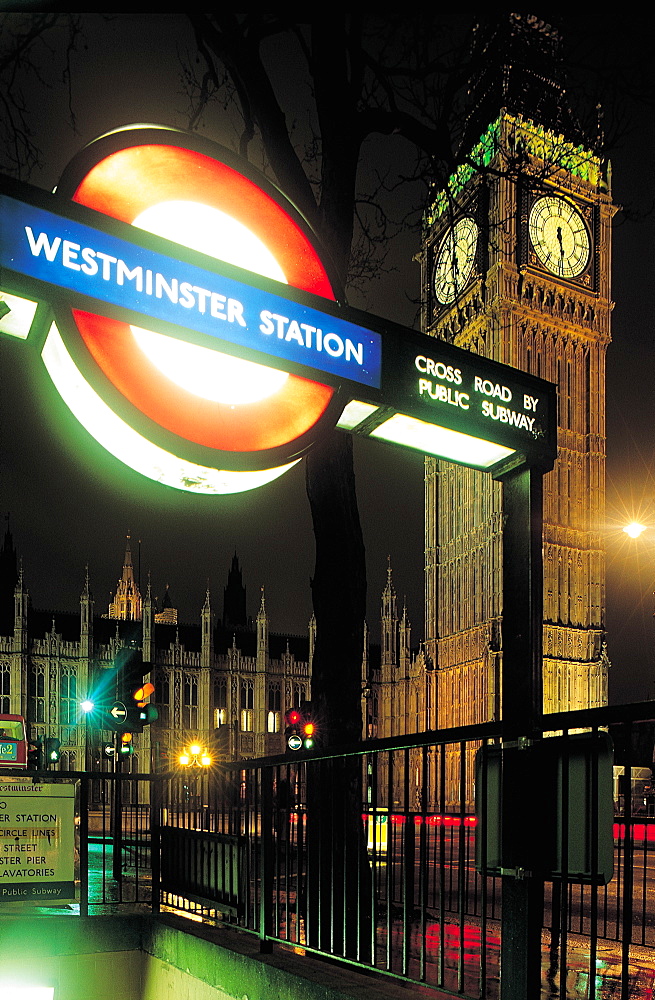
(42, 243)
(443, 394)
(186, 299)
(506, 416)
(217, 306)
(266, 326)
(107, 261)
(235, 312)
(530, 403)
(203, 294)
(293, 333)
(68, 254)
(427, 366)
(333, 345)
(355, 351)
(90, 265)
(309, 330)
(161, 285)
(492, 389)
(135, 275)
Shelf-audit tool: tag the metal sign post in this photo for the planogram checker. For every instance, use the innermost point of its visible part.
(522, 707)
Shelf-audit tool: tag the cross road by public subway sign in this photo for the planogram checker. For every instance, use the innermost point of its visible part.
(188, 318)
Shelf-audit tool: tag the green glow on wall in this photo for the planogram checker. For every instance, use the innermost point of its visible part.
(521, 136)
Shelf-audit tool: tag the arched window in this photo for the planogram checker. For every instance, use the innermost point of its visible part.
(5, 690)
(190, 702)
(68, 704)
(247, 702)
(273, 718)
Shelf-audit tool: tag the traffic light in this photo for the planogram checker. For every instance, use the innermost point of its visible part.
(300, 729)
(125, 748)
(292, 720)
(308, 733)
(35, 754)
(142, 713)
(51, 750)
(130, 669)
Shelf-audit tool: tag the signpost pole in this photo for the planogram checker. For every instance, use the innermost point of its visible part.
(522, 707)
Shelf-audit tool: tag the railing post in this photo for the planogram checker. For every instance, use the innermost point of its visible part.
(155, 841)
(84, 845)
(117, 842)
(628, 861)
(266, 859)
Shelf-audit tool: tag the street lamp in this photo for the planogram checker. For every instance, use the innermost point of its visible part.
(634, 529)
(87, 707)
(194, 756)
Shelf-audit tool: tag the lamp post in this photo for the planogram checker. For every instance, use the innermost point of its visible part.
(87, 707)
(194, 755)
(198, 757)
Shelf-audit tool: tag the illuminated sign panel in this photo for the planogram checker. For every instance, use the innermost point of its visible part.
(444, 385)
(37, 849)
(68, 254)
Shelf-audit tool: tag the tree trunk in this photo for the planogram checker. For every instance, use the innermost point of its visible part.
(338, 910)
(338, 591)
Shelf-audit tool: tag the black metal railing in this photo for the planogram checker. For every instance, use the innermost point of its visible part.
(394, 884)
(377, 856)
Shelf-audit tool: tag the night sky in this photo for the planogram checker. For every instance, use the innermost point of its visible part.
(72, 504)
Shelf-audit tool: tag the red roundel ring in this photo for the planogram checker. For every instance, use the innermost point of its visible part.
(128, 172)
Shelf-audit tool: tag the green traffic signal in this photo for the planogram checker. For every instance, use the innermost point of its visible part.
(51, 750)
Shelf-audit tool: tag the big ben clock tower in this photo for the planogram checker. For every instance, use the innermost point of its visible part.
(517, 267)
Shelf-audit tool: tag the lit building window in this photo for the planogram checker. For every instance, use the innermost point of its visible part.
(274, 709)
(247, 706)
(163, 701)
(68, 699)
(4, 689)
(220, 702)
(190, 705)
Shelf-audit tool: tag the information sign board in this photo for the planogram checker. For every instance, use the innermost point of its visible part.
(442, 384)
(37, 842)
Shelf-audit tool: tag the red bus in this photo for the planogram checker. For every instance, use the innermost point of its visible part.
(13, 741)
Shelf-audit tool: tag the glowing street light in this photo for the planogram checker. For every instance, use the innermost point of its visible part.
(87, 706)
(194, 756)
(634, 529)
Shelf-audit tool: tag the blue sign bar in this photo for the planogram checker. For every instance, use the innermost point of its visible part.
(69, 254)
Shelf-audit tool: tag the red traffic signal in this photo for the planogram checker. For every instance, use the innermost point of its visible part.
(300, 729)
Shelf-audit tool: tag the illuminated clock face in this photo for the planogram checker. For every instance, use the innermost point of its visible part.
(454, 260)
(559, 236)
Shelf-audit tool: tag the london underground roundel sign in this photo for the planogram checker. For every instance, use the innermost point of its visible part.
(180, 413)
